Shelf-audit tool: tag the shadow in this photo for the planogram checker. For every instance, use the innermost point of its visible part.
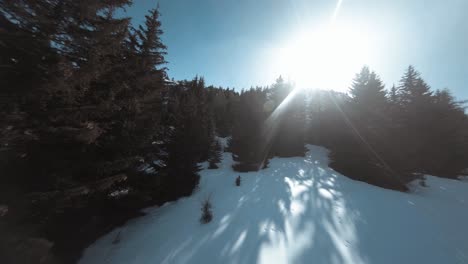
(296, 211)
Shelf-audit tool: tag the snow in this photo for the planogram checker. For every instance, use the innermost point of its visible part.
(119, 193)
(297, 211)
(224, 142)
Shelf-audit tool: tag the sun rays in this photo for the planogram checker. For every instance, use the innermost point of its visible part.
(326, 55)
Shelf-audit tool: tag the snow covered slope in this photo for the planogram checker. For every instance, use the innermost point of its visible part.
(297, 211)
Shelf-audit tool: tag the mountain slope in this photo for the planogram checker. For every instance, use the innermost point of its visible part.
(297, 211)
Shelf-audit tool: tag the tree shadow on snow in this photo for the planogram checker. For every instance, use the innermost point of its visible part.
(296, 211)
(292, 212)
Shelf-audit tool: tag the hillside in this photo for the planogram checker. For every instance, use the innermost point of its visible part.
(297, 211)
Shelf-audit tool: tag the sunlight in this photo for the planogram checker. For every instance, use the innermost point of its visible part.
(325, 58)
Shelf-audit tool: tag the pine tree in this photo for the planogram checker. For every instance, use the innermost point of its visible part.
(247, 143)
(215, 154)
(444, 153)
(363, 152)
(206, 211)
(393, 95)
(394, 107)
(369, 102)
(279, 91)
(78, 45)
(79, 110)
(414, 119)
(146, 40)
(325, 117)
(286, 126)
(368, 91)
(181, 173)
(221, 103)
(413, 89)
(145, 58)
(196, 94)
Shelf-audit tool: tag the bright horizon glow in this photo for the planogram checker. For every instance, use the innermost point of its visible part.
(337, 9)
(235, 43)
(324, 58)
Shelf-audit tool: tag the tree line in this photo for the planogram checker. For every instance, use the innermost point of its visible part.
(93, 130)
(390, 137)
(386, 137)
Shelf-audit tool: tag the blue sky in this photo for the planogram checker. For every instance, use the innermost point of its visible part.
(235, 43)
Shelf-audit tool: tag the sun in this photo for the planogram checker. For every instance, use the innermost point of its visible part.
(325, 58)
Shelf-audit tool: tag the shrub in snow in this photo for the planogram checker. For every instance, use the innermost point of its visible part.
(422, 182)
(116, 239)
(238, 180)
(207, 214)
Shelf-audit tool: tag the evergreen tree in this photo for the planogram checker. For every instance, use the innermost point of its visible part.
(369, 104)
(325, 117)
(363, 152)
(78, 112)
(393, 95)
(446, 145)
(221, 102)
(146, 41)
(204, 134)
(85, 101)
(286, 125)
(75, 102)
(412, 87)
(181, 174)
(414, 119)
(247, 143)
(215, 154)
(368, 91)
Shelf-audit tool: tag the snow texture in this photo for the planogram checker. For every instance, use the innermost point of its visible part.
(297, 211)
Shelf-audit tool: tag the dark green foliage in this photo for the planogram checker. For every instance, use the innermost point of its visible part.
(368, 92)
(82, 92)
(86, 113)
(446, 155)
(238, 180)
(206, 212)
(363, 154)
(146, 41)
(86, 109)
(248, 143)
(181, 175)
(222, 104)
(192, 97)
(185, 145)
(215, 154)
(390, 139)
(286, 124)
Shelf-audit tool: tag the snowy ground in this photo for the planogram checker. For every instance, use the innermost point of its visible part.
(297, 211)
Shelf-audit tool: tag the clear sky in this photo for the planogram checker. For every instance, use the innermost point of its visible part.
(244, 43)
